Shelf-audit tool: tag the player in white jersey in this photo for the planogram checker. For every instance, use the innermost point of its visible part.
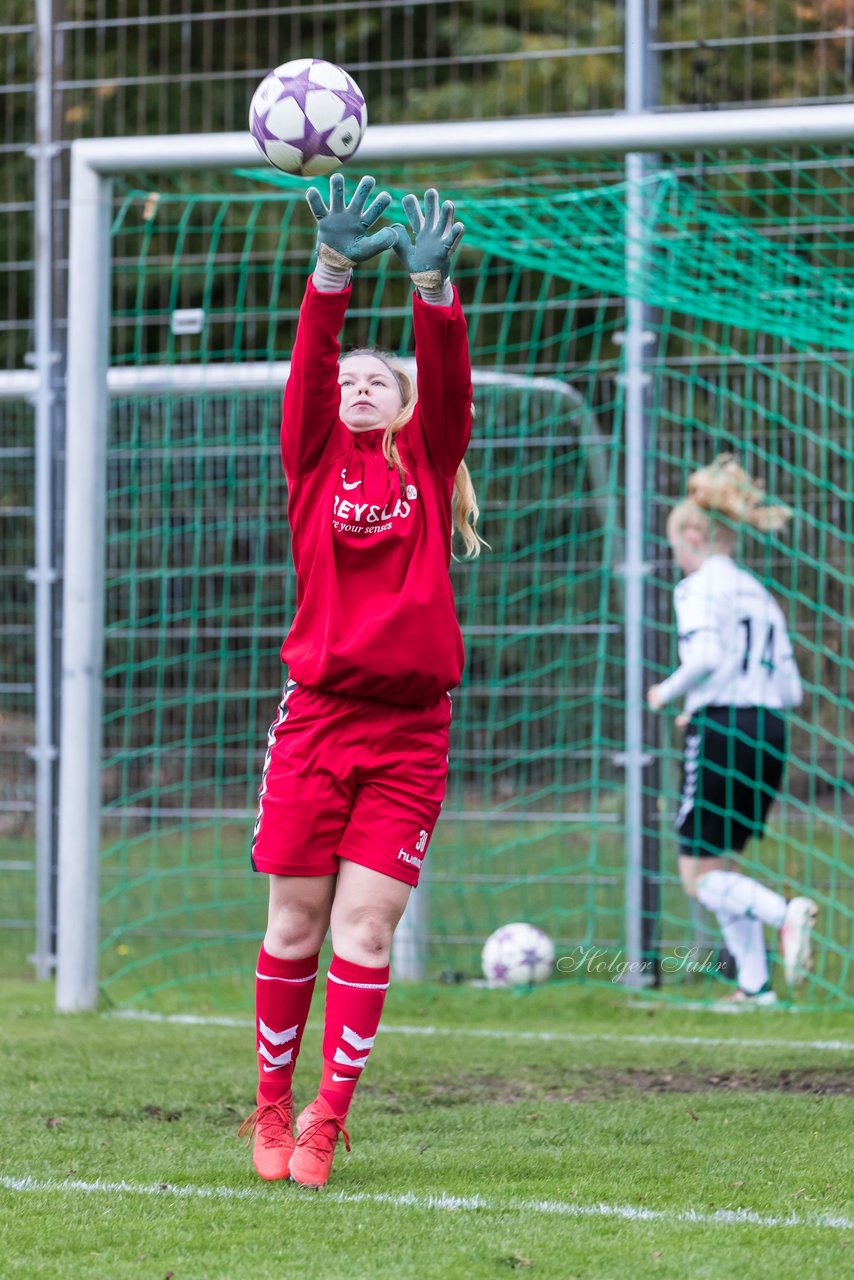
(737, 674)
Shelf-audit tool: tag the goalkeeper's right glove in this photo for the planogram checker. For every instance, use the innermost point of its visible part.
(342, 229)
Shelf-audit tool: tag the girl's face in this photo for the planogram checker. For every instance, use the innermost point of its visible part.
(688, 535)
(689, 548)
(370, 395)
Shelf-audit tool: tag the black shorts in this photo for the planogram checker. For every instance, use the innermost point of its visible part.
(732, 767)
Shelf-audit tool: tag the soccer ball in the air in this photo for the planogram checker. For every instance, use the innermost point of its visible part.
(308, 117)
(517, 955)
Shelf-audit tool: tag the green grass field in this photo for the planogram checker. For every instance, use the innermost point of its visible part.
(565, 1133)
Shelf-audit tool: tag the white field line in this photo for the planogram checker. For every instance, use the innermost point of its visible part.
(486, 1033)
(552, 1208)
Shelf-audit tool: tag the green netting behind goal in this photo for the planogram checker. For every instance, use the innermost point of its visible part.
(746, 269)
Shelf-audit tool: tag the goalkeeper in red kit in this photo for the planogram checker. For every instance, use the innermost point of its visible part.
(357, 756)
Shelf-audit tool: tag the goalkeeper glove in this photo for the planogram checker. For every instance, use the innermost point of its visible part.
(342, 229)
(437, 235)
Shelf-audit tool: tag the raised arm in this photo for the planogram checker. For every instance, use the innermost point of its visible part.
(441, 336)
(312, 396)
(444, 381)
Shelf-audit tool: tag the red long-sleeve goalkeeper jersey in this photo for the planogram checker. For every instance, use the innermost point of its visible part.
(375, 608)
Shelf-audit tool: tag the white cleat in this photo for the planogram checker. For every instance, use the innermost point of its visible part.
(795, 938)
(739, 999)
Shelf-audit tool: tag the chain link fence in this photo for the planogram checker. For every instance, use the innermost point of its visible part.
(132, 67)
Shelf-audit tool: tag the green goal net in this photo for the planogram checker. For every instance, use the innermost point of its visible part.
(745, 267)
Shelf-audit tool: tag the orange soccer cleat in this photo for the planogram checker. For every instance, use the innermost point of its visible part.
(317, 1133)
(272, 1125)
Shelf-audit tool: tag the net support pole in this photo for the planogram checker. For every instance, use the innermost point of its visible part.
(634, 571)
(635, 382)
(43, 574)
(408, 946)
(83, 587)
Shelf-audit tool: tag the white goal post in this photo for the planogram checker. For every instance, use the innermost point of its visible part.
(94, 163)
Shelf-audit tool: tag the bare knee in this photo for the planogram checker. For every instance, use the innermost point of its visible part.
(292, 935)
(367, 908)
(296, 923)
(689, 884)
(693, 871)
(362, 935)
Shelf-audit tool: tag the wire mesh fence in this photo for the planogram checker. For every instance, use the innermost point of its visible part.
(127, 68)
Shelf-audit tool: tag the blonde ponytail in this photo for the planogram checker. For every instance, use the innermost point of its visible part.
(725, 488)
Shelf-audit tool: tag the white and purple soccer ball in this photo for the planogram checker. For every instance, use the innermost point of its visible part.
(517, 955)
(308, 117)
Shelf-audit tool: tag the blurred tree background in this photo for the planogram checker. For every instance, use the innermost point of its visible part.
(130, 67)
(133, 67)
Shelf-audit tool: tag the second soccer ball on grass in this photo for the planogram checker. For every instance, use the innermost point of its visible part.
(517, 955)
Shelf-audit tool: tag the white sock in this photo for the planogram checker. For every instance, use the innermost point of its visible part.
(745, 940)
(738, 895)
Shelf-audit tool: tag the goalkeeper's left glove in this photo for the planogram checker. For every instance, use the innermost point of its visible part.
(437, 235)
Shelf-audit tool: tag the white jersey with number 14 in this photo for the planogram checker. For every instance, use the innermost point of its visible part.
(734, 649)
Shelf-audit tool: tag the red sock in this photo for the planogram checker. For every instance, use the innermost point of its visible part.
(354, 1004)
(283, 990)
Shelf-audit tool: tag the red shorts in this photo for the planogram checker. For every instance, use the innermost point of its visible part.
(350, 778)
